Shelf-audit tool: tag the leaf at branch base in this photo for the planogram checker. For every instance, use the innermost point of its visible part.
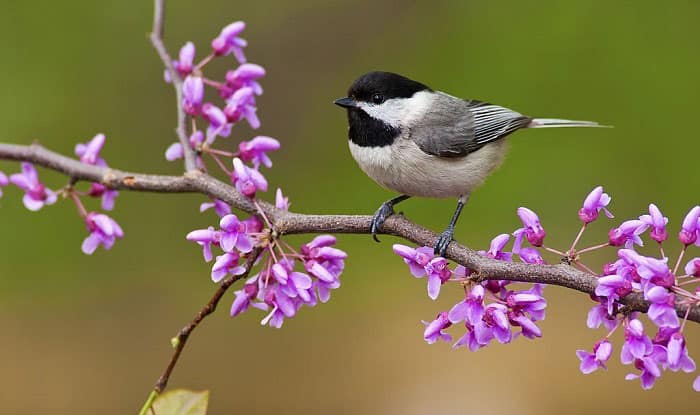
(181, 402)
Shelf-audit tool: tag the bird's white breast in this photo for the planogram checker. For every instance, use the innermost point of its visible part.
(405, 168)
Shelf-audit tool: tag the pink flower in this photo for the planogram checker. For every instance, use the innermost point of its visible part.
(627, 234)
(247, 180)
(594, 202)
(228, 41)
(690, 227)
(192, 95)
(255, 150)
(185, 65)
(245, 75)
(242, 105)
(590, 362)
(4, 181)
(434, 329)
(103, 231)
(220, 207)
(657, 221)
(36, 195)
(532, 230)
(281, 201)
(89, 152)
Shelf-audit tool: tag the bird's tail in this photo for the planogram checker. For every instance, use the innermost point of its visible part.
(556, 122)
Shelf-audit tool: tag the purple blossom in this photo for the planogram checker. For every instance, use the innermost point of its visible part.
(36, 195)
(438, 273)
(496, 249)
(471, 309)
(649, 371)
(175, 151)
(281, 201)
(247, 180)
(657, 221)
(89, 152)
(325, 263)
(220, 207)
(184, 64)
(531, 256)
(637, 344)
(192, 95)
(226, 264)
(242, 105)
(662, 310)
(696, 384)
(693, 267)
(528, 327)
(532, 230)
(416, 259)
(433, 330)
(218, 124)
(103, 231)
(3, 181)
(206, 238)
(594, 202)
(234, 235)
(255, 150)
(108, 195)
(690, 227)
(228, 41)
(590, 362)
(627, 234)
(527, 301)
(245, 76)
(615, 286)
(493, 324)
(599, 315)
(677, 354)
(244, 298)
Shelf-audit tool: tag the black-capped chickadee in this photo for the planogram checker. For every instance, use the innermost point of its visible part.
(420, 142)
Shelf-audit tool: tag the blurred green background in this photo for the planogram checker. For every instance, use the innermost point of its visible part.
(84, 335)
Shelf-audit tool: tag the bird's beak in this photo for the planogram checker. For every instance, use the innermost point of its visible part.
(346, 102)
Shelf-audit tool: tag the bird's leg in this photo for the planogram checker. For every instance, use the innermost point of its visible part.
(446, 237)
(384, 211)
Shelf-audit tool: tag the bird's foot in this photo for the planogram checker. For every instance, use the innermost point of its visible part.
(384, 211)
(443, 242)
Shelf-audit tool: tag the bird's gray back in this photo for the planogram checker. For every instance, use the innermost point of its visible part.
(453, 127)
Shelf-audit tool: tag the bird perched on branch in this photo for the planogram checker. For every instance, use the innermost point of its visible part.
(420, 142)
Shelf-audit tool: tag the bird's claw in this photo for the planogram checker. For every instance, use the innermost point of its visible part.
(384, 211)
(443, 242)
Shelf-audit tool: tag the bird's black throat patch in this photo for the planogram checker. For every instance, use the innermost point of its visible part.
(366, 131)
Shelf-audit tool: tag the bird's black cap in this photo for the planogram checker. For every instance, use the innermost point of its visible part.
(387, 84)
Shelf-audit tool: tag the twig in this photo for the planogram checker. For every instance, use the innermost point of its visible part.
(180, 340)
(157, 41)
(297, 223)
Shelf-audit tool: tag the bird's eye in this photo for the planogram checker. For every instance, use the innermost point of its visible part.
(377, 98)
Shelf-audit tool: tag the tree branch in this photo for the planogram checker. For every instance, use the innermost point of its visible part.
(180, 340)
(158, 44)
(297, 223)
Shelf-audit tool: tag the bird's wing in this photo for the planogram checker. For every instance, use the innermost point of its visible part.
(454, 127)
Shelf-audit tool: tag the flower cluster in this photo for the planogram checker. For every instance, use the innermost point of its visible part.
(278, 287)
(663, 287)
(102, 230)
(238, 90)
(490, 310)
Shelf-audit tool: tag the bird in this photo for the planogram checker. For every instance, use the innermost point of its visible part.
(420, 142)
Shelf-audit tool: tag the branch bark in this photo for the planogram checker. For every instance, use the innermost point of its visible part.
(285, 222)
(158, 44)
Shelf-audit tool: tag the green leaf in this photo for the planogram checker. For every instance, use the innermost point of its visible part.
(181, 402)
